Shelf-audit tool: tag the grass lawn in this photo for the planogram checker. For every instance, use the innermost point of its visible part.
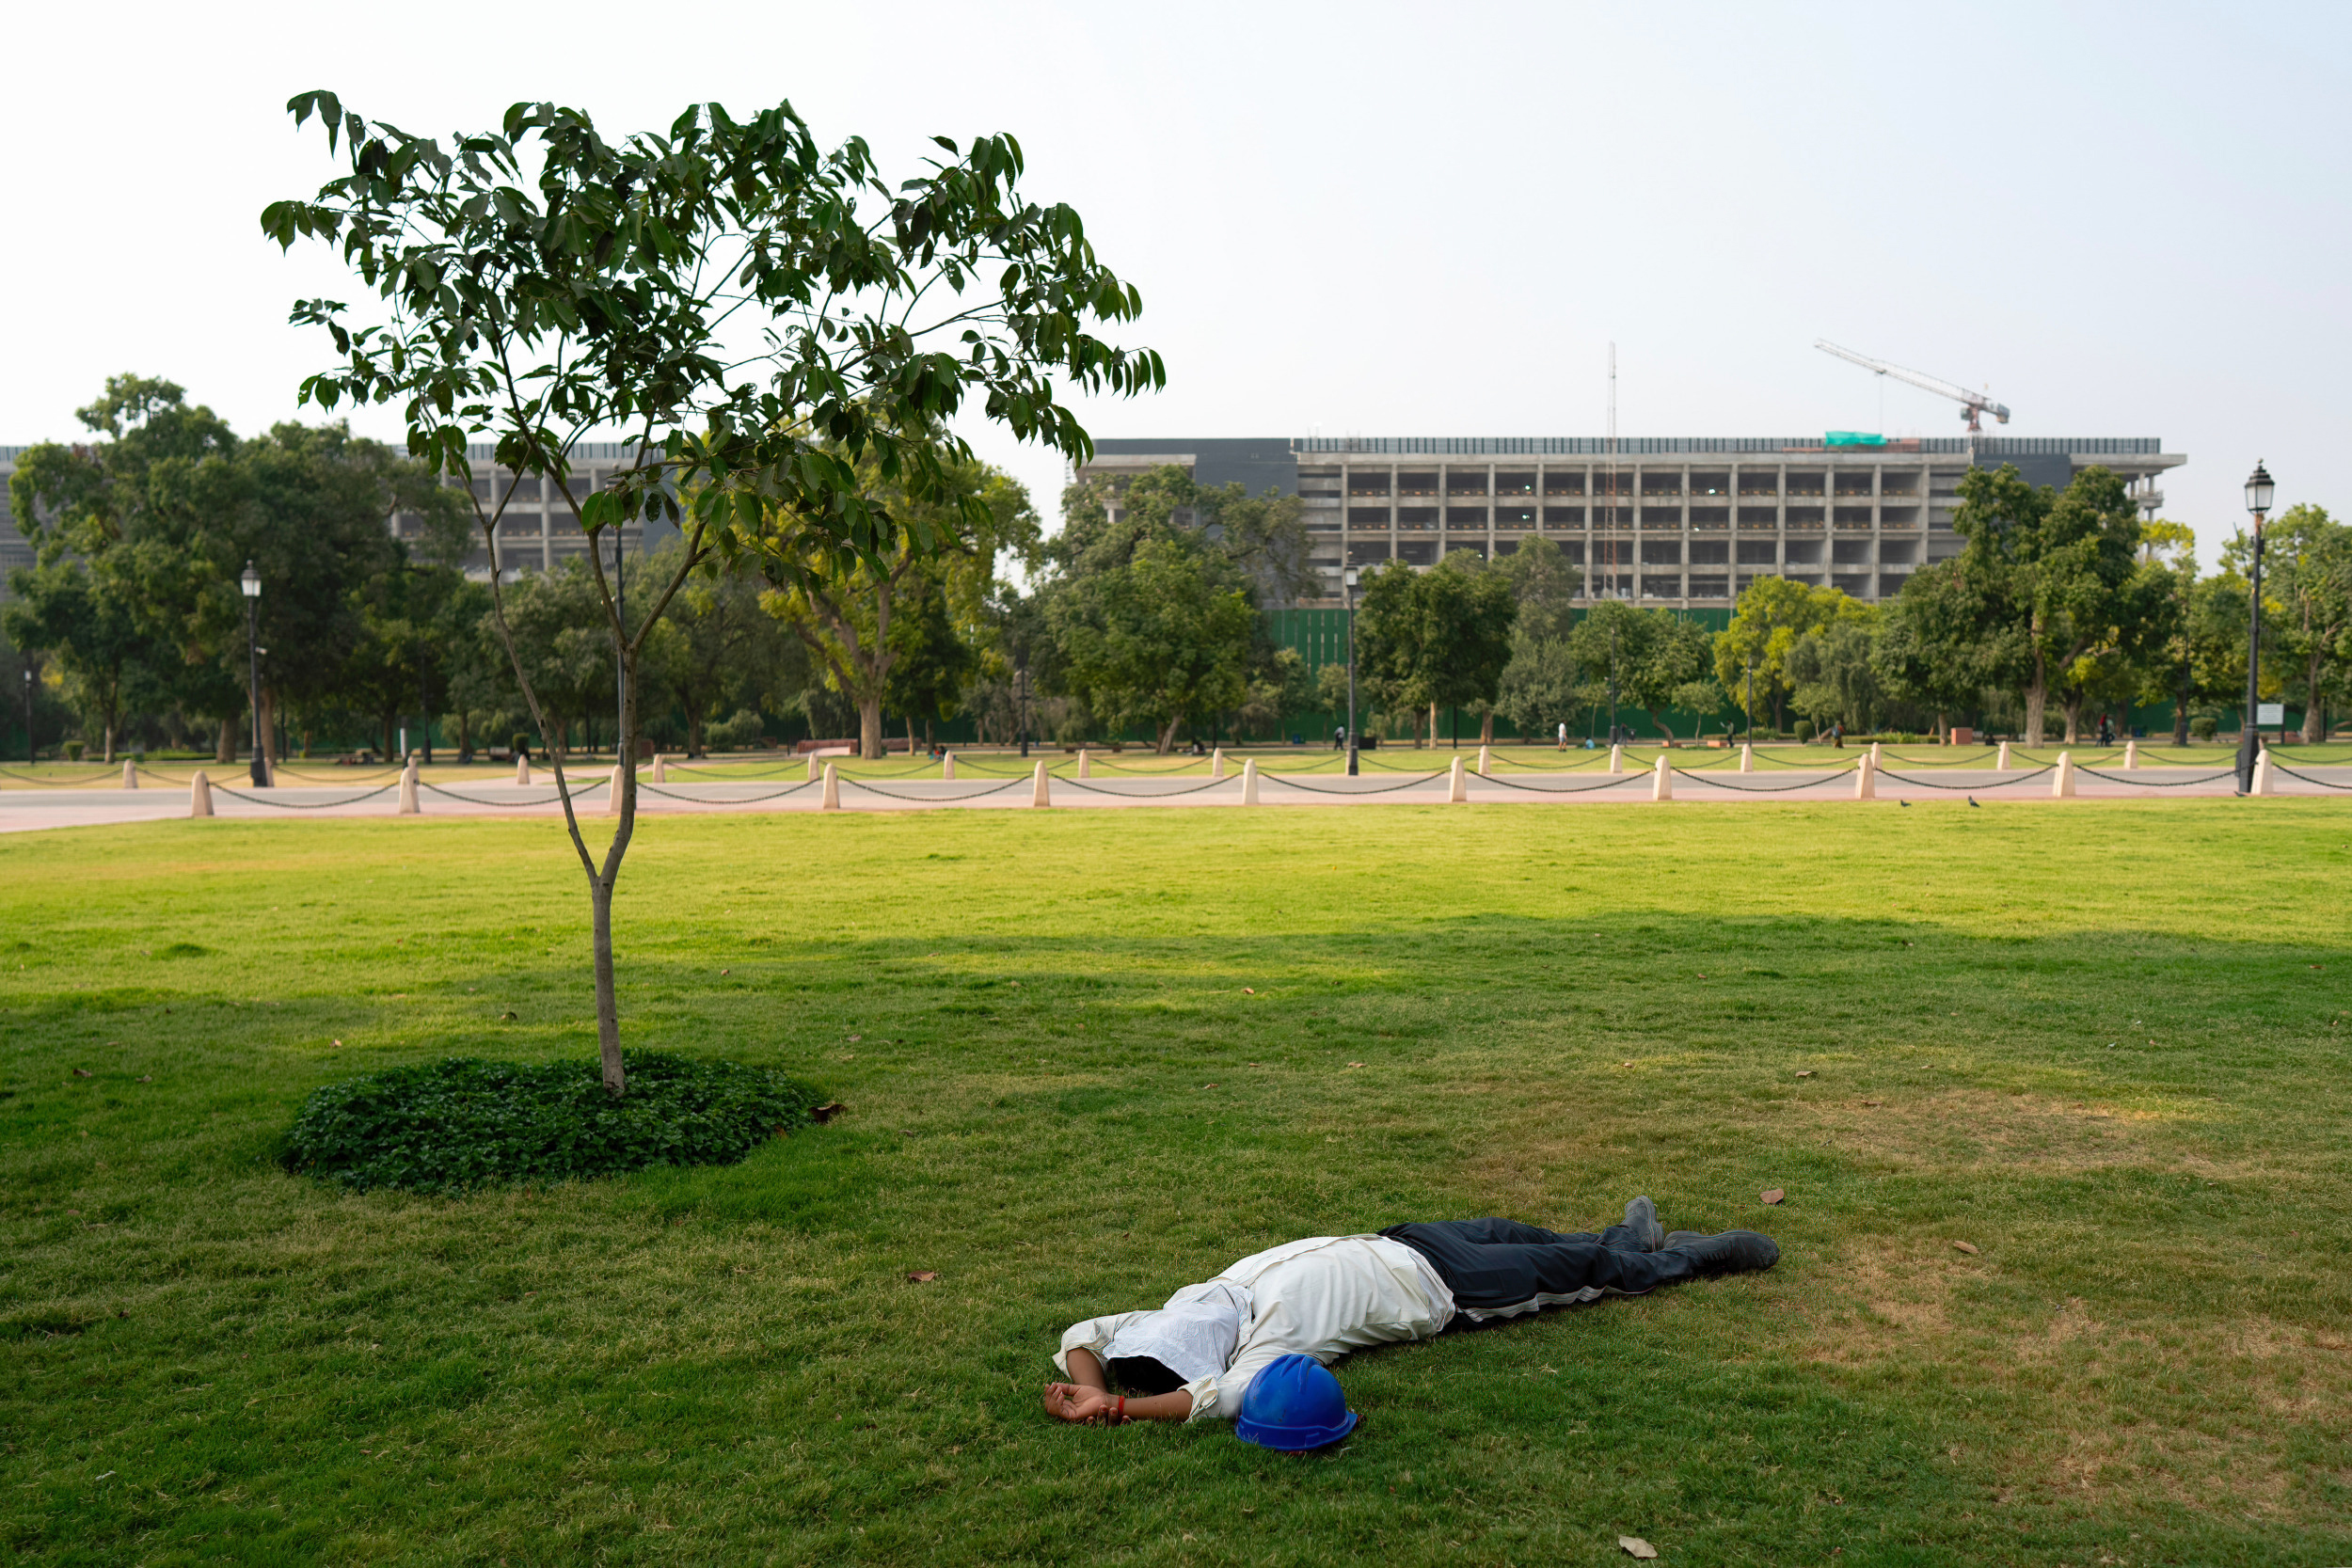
(1091, 1056)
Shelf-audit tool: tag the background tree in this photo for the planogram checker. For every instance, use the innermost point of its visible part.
(1772, 614)
(1436, 639)
(1836, 674)
(2307, 564)
(91, 630)
(162, 515)
(2057, 574)
(1102, 634)
(761, 318)
(1929, 647)
(845, 608)
(1163, 637)
(1541, 686)
(1648, 656)
(729, 655)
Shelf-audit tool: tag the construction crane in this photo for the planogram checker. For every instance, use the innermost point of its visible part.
(1972, 404)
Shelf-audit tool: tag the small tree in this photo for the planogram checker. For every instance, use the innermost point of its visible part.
(1644, 656)
(770, 325)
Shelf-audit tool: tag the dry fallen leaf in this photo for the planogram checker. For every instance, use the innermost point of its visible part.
(827, 1111)
(1869, 1105)
(1963, 1246)
(147, 1078)
(923, 1276)
(1351, 1064)
(81, 1073)
(1635, 1546)
(857, 1036)
(1624, 1063)
(1773, 1194)
(723, 972)
(1807, 1073)
(1208, 1085)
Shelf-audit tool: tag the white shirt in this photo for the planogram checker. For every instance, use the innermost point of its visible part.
(1322, 1298)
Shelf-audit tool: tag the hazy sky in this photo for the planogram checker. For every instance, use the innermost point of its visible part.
(2127, 220)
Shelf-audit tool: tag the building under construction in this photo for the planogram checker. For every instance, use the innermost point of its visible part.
(1685, 523)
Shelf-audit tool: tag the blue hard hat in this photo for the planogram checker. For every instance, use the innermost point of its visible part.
(1294, 1404)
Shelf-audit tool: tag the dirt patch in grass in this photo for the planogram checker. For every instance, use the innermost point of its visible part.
(1961, 1129)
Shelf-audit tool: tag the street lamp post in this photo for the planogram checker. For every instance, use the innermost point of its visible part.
(1348, 579)
(1020, 696)
(251, 583)
(2259, 492)
(1613, 685)
(29, 753)
(1751, 698)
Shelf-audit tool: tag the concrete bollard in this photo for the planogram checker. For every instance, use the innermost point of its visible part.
(831, 800)
(2062, 782)
(1086, 763)
(1866, 776)
(612, 791)
(199, 795)
(1616, 759)
(1747, 757)
(812, 766)
(1250, 781)
(1485, 762)
(408, 805)
(947, 765)
(1662, 783)
(523, 770)
(1216, 763)
(1041, 793)
(2001, 762)
(1874, 753)
(2263, 783)
(130, 774)
(660, 769)
(2131, 756)
(1457, 788)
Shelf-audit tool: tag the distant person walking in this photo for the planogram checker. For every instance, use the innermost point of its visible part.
(1564, 734)
(1837, 733)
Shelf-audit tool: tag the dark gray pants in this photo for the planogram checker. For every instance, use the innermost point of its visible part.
(1502, 1267)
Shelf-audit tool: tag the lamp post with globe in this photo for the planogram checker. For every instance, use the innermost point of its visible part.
(2259, 494)
(251, 583)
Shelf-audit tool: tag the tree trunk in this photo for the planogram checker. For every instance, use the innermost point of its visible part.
(910, 737)
(225, 749)
(2037, 701)
(2070, 704)
(1486, 728)
(1168, 735)
(269, 729)
(608, 1006)
(110, 742)
(869, 727)
(694, 733)
(2314, 723)
(1433, 724)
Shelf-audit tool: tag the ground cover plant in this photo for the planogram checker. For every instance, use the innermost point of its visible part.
(1089, 1056)
(458, 1124)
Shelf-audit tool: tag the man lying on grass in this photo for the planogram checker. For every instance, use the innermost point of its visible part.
(1327, 1295)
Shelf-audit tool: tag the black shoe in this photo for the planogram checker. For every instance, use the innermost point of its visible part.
(1680, 1238)
(1733, 1252)
(1640, 1217)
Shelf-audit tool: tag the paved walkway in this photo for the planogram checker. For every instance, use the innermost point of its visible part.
(21, 810)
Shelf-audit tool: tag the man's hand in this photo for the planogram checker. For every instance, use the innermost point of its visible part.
(1075, 1403)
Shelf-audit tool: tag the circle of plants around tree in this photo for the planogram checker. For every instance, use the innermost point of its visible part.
(457, 1124)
